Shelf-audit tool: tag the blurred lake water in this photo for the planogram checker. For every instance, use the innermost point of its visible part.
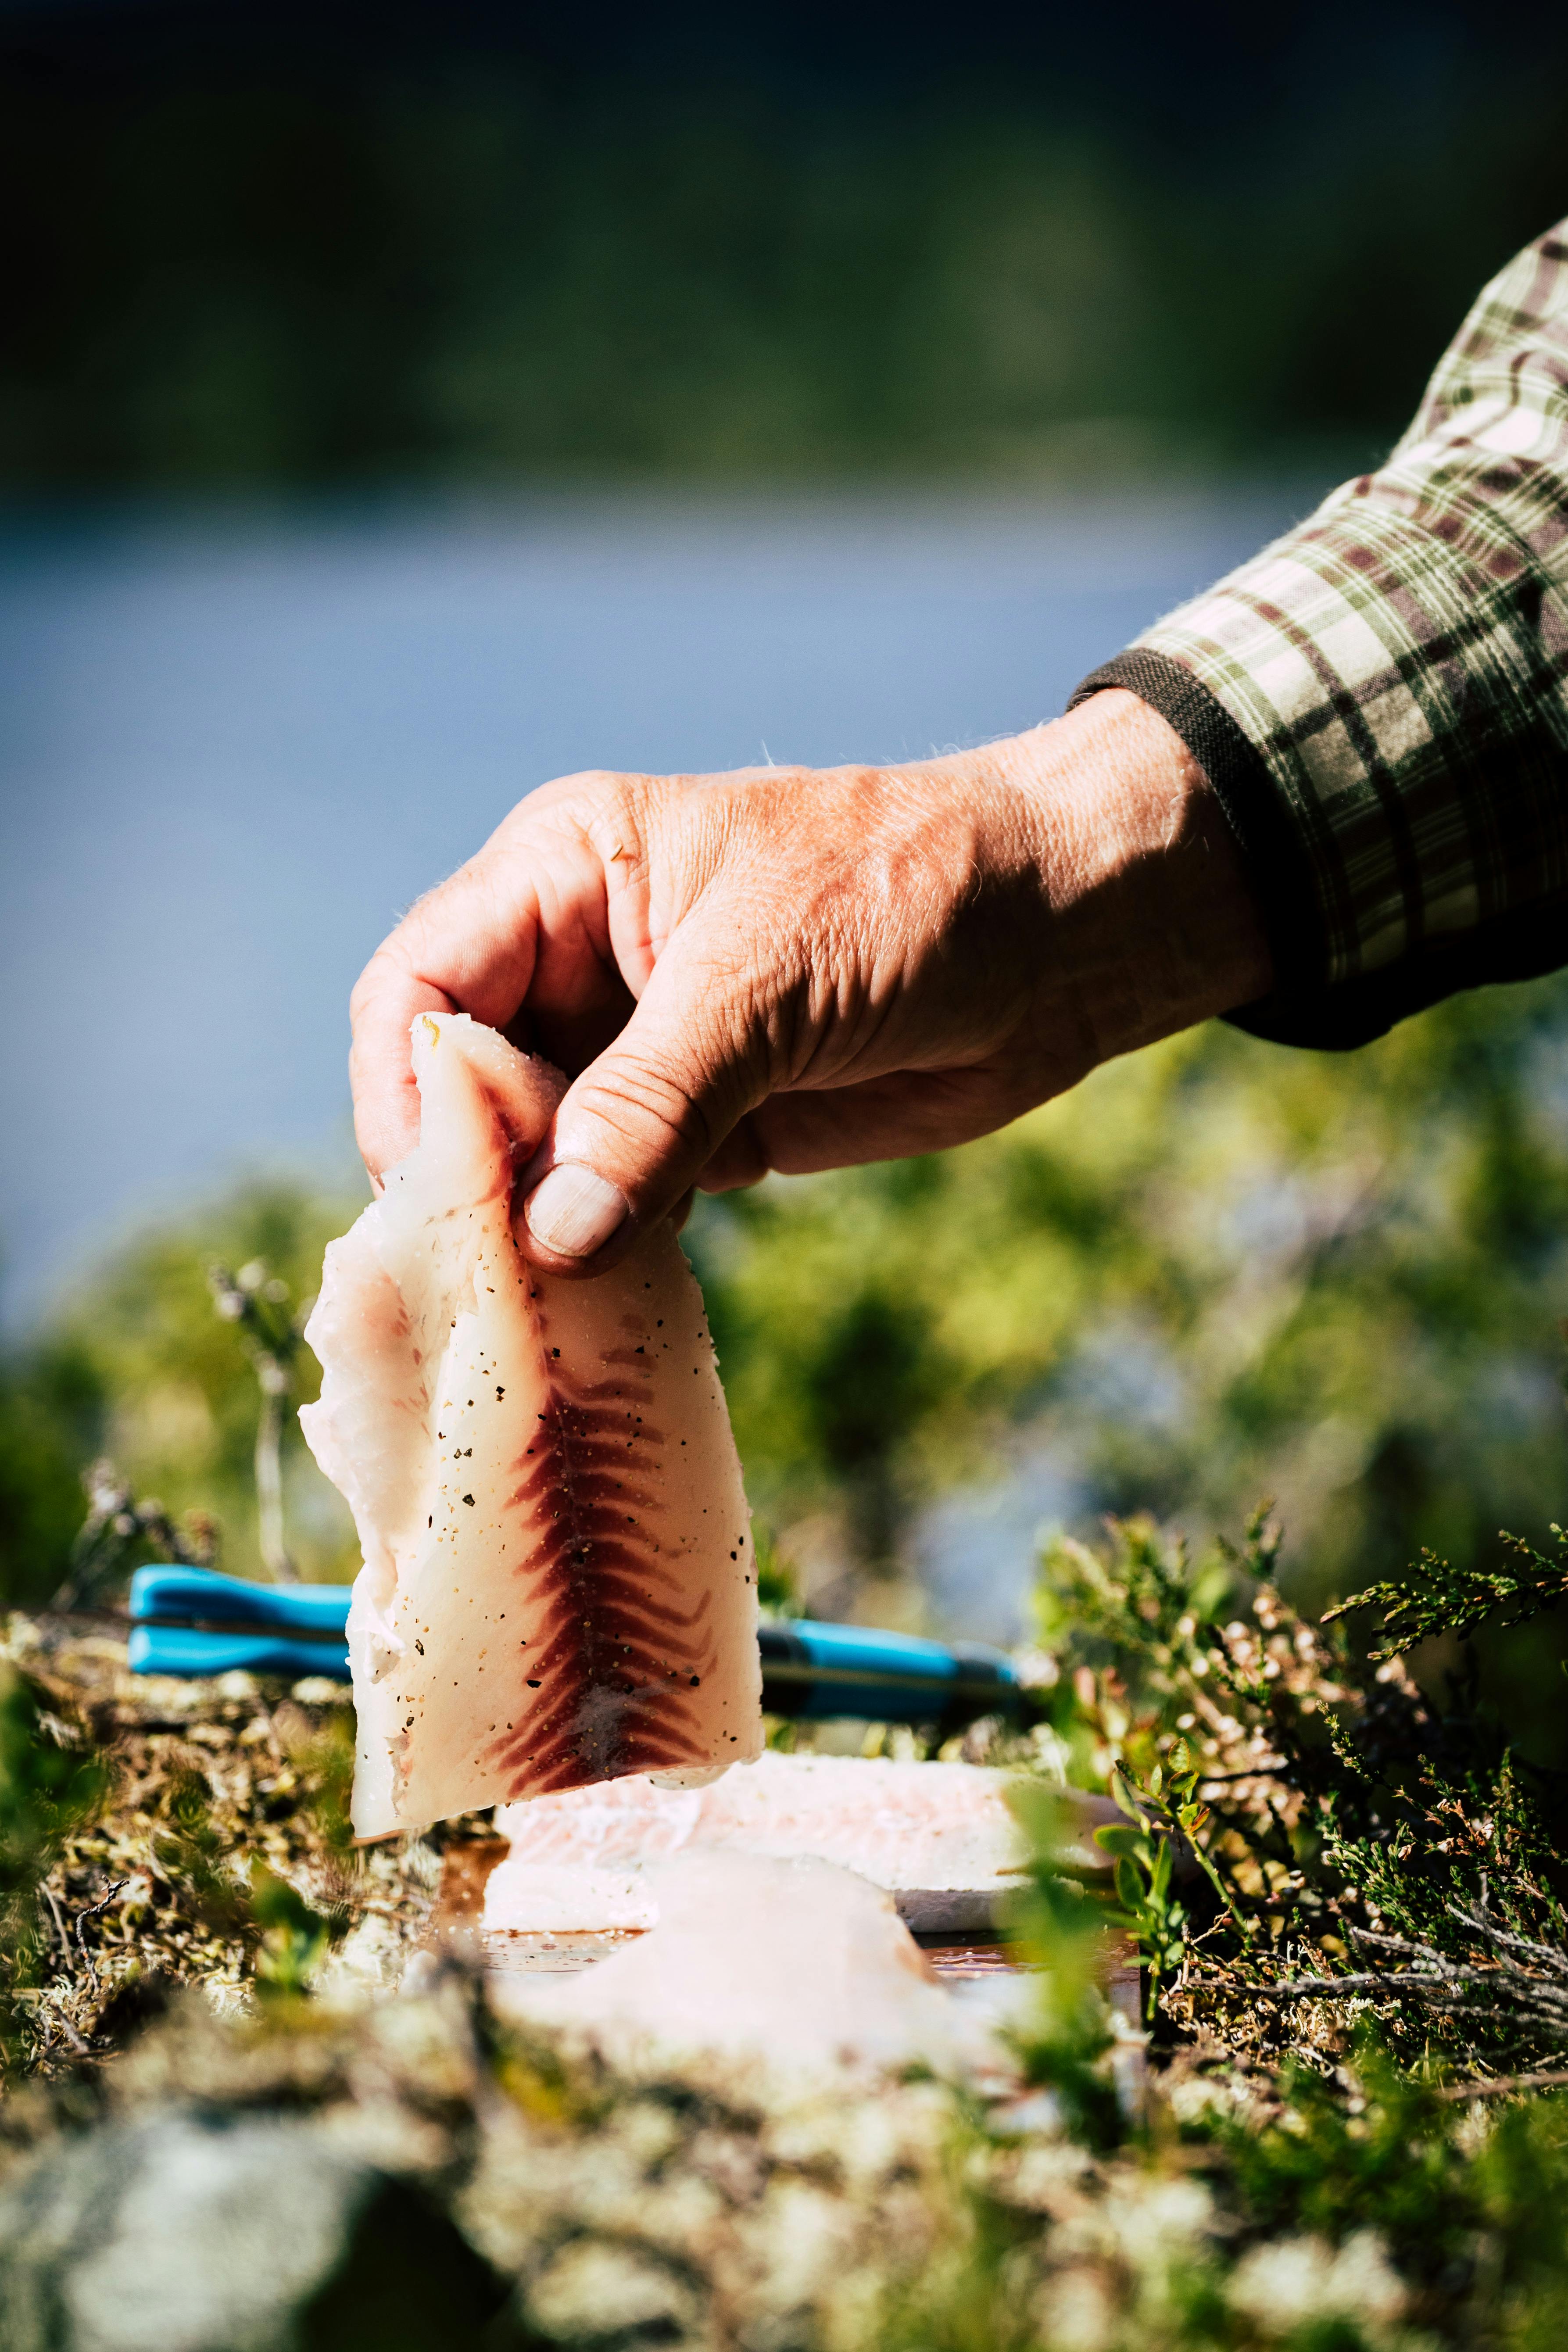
(235, 744)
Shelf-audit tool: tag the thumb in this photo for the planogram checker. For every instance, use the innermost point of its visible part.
(633, 1134)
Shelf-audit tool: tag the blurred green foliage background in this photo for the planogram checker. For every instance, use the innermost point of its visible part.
(1216, 1270)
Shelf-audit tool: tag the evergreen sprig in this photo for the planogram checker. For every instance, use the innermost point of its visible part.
(1438, 1598)
(1310, 1833)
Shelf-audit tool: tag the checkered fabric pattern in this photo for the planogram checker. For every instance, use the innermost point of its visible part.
(1381, 698)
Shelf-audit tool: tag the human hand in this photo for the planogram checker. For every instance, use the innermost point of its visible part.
(802, 968)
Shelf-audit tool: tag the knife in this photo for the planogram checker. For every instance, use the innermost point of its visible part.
(193, 1623)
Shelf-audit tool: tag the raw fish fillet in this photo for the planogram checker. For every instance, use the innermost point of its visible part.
(799, 1965)
(558, 1584)
(581, 1861)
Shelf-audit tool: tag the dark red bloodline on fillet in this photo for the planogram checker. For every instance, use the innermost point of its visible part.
(616, 1655)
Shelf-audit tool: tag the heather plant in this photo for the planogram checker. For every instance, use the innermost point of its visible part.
(121, 1531)
(1314, 1838)
(271, 1328)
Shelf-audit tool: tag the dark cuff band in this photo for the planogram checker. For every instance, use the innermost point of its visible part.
(1276, 862)
(1302, 1009)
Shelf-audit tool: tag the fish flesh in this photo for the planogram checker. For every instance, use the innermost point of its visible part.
(797, 1965)
(941, 1838)
(558, 1584)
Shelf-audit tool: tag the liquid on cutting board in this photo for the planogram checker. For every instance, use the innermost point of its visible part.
(558, 1584)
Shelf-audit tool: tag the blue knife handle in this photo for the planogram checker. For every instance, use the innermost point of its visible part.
(813, 1672)
(193, 1654)
(193, 1621)
(182, 1596)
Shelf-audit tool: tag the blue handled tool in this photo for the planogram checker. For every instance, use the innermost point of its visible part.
(192, 1622)
(811, 1670)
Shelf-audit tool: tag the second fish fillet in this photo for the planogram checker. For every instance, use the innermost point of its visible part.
(558, 1585)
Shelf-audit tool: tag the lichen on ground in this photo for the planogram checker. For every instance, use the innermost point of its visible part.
(223, 1799)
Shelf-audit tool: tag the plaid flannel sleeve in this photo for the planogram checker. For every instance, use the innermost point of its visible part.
(1381, 698)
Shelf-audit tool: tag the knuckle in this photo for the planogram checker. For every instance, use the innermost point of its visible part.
(390, 967)
(599, 809)
(368, 988)
(635, 1095)
(582, 802)
(592, 782)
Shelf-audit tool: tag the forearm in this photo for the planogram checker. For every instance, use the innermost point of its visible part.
(1155, 923)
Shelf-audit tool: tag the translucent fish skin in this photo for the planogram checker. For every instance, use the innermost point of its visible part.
(799, 1967)
(897, 1824)
(558, 1584)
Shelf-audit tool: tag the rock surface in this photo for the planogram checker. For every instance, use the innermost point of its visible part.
(180, 2233)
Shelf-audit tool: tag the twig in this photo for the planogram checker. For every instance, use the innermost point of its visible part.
(61, 1930)
(1299, 1988)
(83, 2049)
(273, 1344)
(1509, 1992)
(81, 1919)
(1499, 2087)
(1545, 1956)
(115, 1526)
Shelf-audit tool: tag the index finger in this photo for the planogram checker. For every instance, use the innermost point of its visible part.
(465, 948)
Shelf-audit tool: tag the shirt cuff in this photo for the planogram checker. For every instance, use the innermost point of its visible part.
(1304, 1008)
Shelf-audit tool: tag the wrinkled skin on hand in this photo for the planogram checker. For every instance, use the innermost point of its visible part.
(801, 968)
